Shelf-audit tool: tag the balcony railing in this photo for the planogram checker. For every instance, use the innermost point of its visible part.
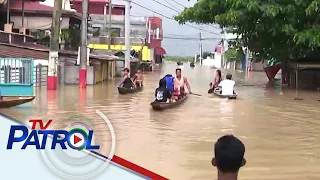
(15, 38)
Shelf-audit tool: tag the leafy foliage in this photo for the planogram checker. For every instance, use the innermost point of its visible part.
(282, 29)
(205, 54)
(234, 54)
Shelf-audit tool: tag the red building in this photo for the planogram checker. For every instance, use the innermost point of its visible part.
(155, 37)
(97, 7)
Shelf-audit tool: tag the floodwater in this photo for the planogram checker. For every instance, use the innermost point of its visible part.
(281, 135)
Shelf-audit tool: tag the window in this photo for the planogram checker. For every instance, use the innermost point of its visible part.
(96, 32)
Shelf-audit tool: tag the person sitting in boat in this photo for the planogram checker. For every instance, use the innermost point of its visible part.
(217, 79)
(179, 85)
(139, 79)
(127, 82)
(170, 82)
(228, 157)
(162, 94)
(226, 87)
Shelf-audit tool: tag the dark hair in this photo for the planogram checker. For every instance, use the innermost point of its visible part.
(162, 83)
(229, 152)
(178, 69)
(126, 70)
(219, 72)
(229, 76)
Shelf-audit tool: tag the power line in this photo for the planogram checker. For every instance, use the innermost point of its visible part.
(178, 11)
(181, 36)
(192, 39)
(171, 5)
(179, 4)
(172, 18)
(166, 6)
(184, 35)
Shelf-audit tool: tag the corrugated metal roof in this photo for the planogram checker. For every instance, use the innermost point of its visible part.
(37, 51)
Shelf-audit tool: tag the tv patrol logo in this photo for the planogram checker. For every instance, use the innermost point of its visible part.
(76, 138)
(67, 152)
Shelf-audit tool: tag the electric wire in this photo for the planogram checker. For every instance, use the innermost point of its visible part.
(180, 11)
(201, 29)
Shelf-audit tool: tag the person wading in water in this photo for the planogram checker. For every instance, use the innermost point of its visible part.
(179, 83)
(228, 157)
(126, 80)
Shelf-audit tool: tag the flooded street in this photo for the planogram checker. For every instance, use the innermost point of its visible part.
(281, 135)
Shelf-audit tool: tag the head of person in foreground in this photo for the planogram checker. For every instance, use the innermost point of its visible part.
(229, 76)
(162, 83)
(126, 71)
(228, 157)
(178, 72)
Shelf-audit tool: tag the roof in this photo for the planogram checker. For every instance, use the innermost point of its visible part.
(115, 3)
(37, 8)
(37, 51)
(160, 51)
(32, 6)
(5, 1)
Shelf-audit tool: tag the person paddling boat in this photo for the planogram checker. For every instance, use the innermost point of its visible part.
(127, 82)
(179, 85)
(226, 87)
(217, 79)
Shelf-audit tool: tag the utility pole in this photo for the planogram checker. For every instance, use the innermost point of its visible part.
(222, 48)
(200, 51)
(104, 25)
(109, 29)
(8, 11)
(127, 34)
(54, 46)
(83, 48)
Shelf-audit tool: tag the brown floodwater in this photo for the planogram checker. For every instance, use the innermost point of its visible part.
(281, 135)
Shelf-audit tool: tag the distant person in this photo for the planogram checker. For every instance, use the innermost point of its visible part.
(139, 79)
(228, 157)
(227, 86)
(127, 82)
(216, 80)
(162, 94)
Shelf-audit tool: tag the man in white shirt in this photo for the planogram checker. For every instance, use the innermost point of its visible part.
(227, 85)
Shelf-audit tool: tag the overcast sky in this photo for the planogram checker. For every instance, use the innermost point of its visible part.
(171, 27)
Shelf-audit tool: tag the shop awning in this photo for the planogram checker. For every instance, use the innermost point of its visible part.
(160, 51)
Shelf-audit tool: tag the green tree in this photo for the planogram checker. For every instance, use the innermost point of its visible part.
(205, 54)
(282, 29)
(234, 54)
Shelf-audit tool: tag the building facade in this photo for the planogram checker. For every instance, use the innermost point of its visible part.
(145, 31)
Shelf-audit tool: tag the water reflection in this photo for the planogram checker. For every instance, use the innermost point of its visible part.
(280, 134)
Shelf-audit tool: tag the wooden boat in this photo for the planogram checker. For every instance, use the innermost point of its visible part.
(167, 105)
(123, 90)
(11, 101)
(217, 93)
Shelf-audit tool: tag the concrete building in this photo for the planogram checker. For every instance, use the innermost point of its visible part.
(146, 32)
